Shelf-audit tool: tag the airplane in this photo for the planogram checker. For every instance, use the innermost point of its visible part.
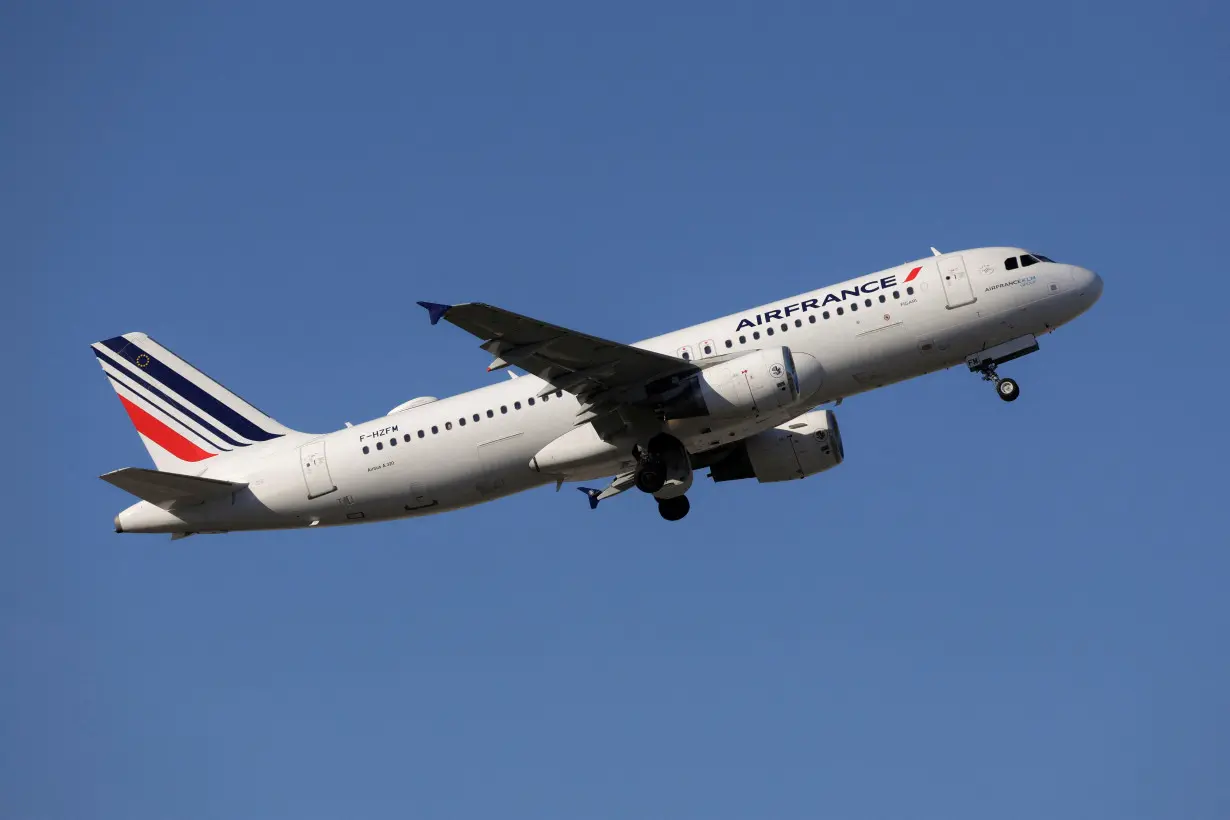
(741, 396)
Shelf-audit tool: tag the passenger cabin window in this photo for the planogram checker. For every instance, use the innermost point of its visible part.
(379, 445)
(393, 441)
(1010, 263)
(729, 343)
(366, 450)
(406, 438)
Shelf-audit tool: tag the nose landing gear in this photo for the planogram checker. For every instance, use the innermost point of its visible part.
(986, 361)
(1006, 389)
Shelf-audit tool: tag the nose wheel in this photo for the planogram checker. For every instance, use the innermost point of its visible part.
(1006, 389)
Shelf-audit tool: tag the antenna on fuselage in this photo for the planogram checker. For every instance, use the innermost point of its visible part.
(934, 252)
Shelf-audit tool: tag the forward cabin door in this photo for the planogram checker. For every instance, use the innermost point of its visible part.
(958, 289)
(316, 469)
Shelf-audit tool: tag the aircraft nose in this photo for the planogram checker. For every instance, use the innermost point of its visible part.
(1088, 283)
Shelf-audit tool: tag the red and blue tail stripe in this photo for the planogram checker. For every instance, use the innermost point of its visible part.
(182, 415)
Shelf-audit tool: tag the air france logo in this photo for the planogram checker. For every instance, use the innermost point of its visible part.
(836, 297)
(776, 371)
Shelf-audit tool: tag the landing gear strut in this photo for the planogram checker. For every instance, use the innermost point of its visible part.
(1006, 389)
(986, 361)
(672, 509)
(651, 473)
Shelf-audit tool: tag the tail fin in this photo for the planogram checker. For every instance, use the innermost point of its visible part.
(182, 415)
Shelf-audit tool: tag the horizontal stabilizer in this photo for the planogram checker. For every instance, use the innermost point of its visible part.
(168, 489)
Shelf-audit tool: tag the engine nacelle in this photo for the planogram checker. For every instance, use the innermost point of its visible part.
(801, 447)
(758, 382)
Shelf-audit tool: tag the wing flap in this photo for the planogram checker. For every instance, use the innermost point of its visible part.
(168, 489)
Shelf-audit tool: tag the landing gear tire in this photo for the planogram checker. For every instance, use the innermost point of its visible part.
(1007, 389)
(651, 476)
(673, 509)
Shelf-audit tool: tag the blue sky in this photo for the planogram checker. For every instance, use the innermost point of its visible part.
(1015, 611)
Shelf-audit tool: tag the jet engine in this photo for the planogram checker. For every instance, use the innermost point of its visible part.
(757, 382)
(801, 447)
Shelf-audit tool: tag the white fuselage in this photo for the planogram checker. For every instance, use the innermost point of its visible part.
(477, 446)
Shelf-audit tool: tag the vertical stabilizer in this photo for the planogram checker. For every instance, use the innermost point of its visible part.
(183, 417)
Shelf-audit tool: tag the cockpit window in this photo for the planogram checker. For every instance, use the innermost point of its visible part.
(1010, 263)
(1042, 258)
(1028, 260)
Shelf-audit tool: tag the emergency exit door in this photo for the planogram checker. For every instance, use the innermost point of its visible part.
(315, 469)
(958, 289)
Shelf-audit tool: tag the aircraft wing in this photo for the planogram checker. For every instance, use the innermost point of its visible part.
(599, 371)
(168, 489)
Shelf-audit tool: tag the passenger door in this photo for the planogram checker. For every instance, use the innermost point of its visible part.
(958, 289)
(315, 469)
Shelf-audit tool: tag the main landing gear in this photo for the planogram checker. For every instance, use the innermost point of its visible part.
(986, 361)
(672, 509)
(665, 472)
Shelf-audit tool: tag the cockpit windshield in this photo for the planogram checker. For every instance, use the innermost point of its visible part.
(1025, 260)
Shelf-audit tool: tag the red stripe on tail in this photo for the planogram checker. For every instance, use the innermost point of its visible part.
(913, 273)
(163, 436)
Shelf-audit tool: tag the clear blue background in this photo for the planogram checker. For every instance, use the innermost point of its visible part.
(990, 610)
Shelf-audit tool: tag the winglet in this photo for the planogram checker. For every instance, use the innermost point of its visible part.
(593, 496)
(934, 252)
(435, 310)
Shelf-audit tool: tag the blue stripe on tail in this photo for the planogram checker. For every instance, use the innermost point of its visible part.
(189, 391)
(168, 399)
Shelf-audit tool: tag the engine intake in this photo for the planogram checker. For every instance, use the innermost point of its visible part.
(801, 447)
